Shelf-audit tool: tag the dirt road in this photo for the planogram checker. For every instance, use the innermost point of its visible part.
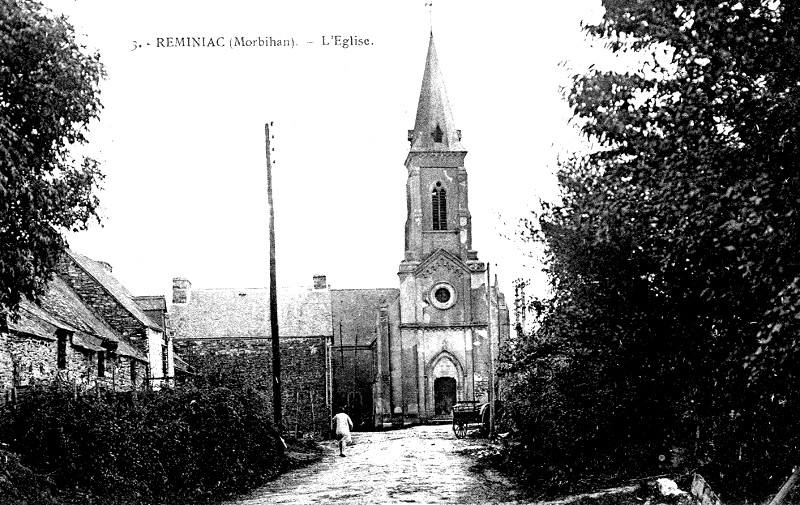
(425, 465)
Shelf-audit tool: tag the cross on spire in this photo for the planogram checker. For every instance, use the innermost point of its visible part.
(429, 5)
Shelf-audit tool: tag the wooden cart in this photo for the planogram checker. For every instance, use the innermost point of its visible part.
(466, 413)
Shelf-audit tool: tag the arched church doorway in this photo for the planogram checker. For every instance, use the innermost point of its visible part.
(444, 395)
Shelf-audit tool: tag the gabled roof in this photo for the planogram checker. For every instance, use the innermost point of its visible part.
(441, 256)
(433, 110)
(356, 310)
(33, 320)
(97, 271)
(62, 304)
(155, 307)
(153, 302)
(244, 313)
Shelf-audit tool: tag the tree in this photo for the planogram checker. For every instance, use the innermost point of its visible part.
(672, 251)
(49, 93)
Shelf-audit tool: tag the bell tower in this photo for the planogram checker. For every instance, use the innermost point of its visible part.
(442, 353)
(438, 335)
(436, 190)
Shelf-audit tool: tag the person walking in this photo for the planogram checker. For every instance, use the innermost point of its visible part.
(342, 425)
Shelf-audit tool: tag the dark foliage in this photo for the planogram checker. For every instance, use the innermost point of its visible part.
(49, 93)
(670, 343)
(168, 446)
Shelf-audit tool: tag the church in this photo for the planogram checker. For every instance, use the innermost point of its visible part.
(395, 355)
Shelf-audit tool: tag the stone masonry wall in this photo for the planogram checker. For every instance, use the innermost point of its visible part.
(118, 374)
(26, 361)
(241, 363)
(106, 305)
(6, 362)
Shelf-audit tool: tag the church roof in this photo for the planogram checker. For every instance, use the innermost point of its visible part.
(434, 129)
(244, 313)
(357, 312)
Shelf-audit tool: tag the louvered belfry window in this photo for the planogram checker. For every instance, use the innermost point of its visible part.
(439, 205)
(437, 134)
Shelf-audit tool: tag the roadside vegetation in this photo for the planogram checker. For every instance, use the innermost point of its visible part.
(169, 446)
(49, 95)
(669, 344)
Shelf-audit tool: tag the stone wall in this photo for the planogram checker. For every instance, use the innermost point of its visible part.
(28, 361)
(118, 374)
(94, 295)
(247, 362)
(6, 362)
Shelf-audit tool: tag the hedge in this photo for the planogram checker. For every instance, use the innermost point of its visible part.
(155, 447)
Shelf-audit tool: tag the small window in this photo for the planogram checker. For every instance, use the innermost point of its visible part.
(133, 372)
(438, 134)
(61, 349)
(439, 207)
(101, 364)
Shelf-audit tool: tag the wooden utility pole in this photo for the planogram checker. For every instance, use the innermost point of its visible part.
(341, 372)
(355, 365)
(491, 351)
(273, 296)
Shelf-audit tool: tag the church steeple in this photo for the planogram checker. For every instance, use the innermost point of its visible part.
(436, 190)
(434, 129)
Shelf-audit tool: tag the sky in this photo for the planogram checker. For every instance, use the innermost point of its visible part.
(181, 136)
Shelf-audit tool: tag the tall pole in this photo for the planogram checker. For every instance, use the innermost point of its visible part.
(273, 297)
(355, 365)
(491, 351)
(341, 372)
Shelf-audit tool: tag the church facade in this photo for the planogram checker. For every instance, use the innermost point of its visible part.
(437, 335)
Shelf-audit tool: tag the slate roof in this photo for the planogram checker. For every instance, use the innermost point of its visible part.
(154, 302)
(357, 311)
(114, 288)
(51, 324)
(434, 109)
(221, 313)
(154, 307)
(61, 308)
(64, 304)
(27, 323)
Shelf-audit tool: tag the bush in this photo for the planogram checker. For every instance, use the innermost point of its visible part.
(166, 446)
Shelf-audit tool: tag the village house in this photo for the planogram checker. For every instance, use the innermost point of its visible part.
(75, 334)
(224, 334)
(93, 282)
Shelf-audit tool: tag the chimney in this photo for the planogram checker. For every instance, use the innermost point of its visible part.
(106, 266)
(320, 282)
(180, 290)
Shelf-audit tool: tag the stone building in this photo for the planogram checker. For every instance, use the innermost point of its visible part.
(93, 282)
(432, 341)
(66, 335)
(224, 334)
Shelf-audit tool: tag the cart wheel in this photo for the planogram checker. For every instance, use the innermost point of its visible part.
(459, 428)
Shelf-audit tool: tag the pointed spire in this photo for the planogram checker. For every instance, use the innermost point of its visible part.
(434, 129)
